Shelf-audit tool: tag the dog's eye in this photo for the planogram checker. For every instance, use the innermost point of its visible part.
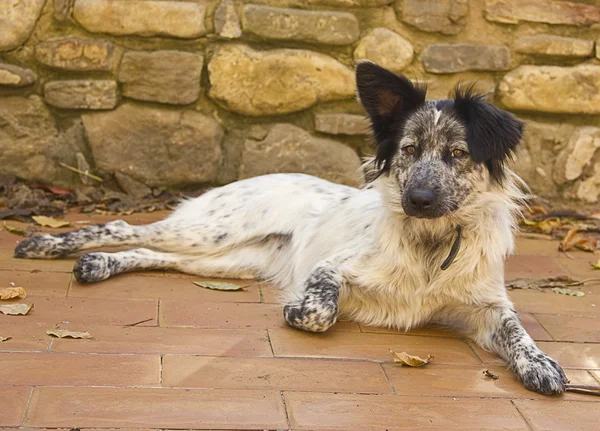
(410, 149)
(458, 153)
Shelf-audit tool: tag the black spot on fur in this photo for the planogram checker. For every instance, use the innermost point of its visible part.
(492, 134)
(219, 238)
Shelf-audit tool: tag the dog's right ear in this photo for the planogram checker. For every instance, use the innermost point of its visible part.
(388, 99)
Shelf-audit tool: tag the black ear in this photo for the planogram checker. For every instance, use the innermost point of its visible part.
(388, 99)
(492, 134)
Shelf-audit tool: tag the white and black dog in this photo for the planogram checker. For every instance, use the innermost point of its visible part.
(423, 242)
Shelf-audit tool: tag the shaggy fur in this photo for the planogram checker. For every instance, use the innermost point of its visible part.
(372, 255)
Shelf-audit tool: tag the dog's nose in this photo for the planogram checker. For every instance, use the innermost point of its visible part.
(421, 199)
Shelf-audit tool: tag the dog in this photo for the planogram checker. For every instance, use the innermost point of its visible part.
(423, 242)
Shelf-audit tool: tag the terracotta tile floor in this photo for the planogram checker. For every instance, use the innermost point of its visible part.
(203, 359)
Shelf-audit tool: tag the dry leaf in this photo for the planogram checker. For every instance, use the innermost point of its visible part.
(571, 238)
(546, 226)
(404, 358)
(12, 229)
(3, 339)
(595, 215)
(50, 222)
(544, 283)
(596, 265)
(65, 333)
(15, 309)
(569, 292)
(537, 209)
(488, 375)
(214, 285)
(12, 293)
(587, 244)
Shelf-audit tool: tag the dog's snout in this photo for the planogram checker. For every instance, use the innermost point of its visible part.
(421, 202)
(421, 199)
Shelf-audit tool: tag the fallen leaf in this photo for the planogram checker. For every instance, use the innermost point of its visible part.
(595, 215)
(562, 281)
(404, 358)
(546, 225)
(50, 222)
(3, 339)
(537, 209)
(570, 239)
(12, 229)
(12, 293)
(587, 244)
(488, 375)
(569, 292)
(596, 265)
(15, 309)
(65, 333)
(215, 285)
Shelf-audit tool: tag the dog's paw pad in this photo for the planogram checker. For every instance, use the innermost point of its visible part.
(93, 267)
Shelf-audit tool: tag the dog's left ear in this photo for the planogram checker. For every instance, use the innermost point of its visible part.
(492, 133)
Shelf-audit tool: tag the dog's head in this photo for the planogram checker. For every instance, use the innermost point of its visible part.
(435, 154)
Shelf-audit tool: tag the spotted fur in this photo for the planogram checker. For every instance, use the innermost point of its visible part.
(372, 255)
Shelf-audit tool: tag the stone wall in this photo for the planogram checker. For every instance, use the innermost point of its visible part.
(175, 93)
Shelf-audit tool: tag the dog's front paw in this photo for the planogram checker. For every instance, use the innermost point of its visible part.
(541, 374)
(310, 319)
(94, 267)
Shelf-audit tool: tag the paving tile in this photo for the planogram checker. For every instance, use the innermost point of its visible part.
(274, 373)
(534, 328)
(161, 408)
(270, 293)
(315, 411)
(152, 340)
(536, 302)
(7, 262)
(14, 400)
(581, 265)
(25, 336)
(339, 344)
(541, 247)
(57, 369)
(220, 315)
(571, 328)
(596, 375)
(455, 381)
(568, 355)
(573, 355)
(38, 283)
(8, 241)
(558, 415)
(85, 312)
(532, 266)
(134, 286)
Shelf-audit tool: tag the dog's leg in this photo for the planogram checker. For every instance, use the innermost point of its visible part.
(49, 246)
(318, 310)
(180, 236)
(244, 263)
(498, 329)
(94, 267)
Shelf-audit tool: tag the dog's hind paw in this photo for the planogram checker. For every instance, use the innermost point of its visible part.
(94, 267)
(41, 247)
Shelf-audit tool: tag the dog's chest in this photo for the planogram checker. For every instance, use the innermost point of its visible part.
(392, 296)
